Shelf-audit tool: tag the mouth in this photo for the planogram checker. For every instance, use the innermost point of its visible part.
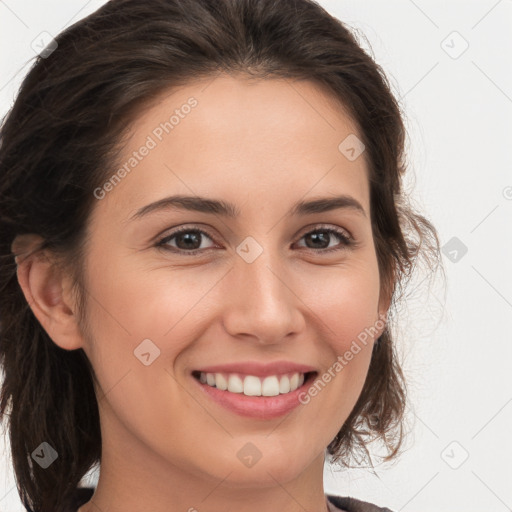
(252, 396)
(251, 385)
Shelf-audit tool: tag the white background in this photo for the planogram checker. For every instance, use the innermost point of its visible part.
(455, 343)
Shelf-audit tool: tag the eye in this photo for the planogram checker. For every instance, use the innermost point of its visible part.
(324, 235)
(187, 240)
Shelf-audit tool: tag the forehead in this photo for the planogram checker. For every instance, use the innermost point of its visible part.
(245, 140)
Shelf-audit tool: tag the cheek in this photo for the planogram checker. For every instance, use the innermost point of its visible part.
(127, 306)
(344, 300)
(174, 306)
(344, 306)
(132, 302)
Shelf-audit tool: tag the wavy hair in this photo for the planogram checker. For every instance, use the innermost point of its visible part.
(59, 142)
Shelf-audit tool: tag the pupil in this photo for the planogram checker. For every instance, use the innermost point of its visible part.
(321, 236)
(188, 237)
(191, 239)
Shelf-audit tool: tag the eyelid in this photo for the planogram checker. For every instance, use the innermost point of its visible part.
(319, 227)
(347, 240)
(183, 229)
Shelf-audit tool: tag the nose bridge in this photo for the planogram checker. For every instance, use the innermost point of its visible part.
(262, 300)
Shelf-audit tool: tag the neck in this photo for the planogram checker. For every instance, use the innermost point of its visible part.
(167, 488)
(134, 476)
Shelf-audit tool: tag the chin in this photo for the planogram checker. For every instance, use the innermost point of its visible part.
(271, 466)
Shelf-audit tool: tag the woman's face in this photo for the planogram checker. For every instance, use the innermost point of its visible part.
(267, 284)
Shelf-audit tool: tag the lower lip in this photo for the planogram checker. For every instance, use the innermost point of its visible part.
(262, 407)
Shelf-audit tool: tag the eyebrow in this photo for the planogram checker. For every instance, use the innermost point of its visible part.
(226, 209)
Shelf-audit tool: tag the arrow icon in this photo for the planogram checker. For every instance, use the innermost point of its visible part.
(351, 147)
(40, 456)
(249, 455)
(146, 352)
(44, 455)
(454, 249)
(454, 45)
(249, 249)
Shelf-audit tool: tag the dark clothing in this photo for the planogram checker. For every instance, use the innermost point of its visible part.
(341, 504)
(346, 504)
(82, 495)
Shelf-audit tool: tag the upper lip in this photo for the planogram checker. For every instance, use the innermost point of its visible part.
(258, 369)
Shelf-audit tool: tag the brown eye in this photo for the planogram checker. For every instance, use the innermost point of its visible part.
(319, 239)
(187, 240)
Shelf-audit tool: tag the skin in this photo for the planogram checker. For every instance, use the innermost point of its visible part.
(262, 145)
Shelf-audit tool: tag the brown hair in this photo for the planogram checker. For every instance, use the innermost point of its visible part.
(59, 142)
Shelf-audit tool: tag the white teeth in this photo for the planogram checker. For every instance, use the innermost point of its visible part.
(270, 386)
(284, 384)
(294, 382)
(235, 384)
(253, 386)
(221, 382)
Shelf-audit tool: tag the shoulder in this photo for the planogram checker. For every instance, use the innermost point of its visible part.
(347, 504)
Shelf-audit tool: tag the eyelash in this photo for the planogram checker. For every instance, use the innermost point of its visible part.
(346, 241)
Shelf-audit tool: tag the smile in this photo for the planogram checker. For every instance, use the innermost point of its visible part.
(251, 385)
(256, 397)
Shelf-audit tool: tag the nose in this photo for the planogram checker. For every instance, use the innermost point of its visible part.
(263, 304)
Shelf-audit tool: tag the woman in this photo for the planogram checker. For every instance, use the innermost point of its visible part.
(203, 235)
